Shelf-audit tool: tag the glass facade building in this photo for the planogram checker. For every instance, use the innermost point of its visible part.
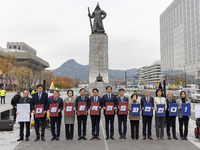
(180, 39)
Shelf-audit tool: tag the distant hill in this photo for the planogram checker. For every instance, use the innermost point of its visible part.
(73, 70)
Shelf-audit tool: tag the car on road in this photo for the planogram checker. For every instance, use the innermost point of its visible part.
(194, 94)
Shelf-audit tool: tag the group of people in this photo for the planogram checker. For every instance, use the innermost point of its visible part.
(41, 98)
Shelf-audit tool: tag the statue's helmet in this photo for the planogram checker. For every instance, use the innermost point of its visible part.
(97, 7)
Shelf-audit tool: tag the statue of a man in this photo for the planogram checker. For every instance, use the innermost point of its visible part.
(98, 16)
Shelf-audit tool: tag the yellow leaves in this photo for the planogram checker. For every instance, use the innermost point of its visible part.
(6, 63)
(64, 82)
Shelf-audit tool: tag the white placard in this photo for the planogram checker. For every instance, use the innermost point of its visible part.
(39, 110)
(197, 111)
(82, 108)
(147, 109)
(69, 108)
(135, 109)
(53, 109)
(23, 113)
(160, 110)
(123, 108)
(109, 108)
(95, 108)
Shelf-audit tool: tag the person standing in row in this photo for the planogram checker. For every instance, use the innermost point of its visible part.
(82, 119)
(40, 98)
(122, 118)
(56, 100)
(147, 120)
(69, 120)
(159, 120)
(183, 120)
(95, 119)
(109, 97)
(171, 120)
(25, 100)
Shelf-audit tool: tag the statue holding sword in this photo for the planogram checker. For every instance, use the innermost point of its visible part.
(98, 16)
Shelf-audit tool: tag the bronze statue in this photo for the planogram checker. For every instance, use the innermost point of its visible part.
(98, 16)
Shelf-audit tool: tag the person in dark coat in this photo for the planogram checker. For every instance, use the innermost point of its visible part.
(56, 100)
(14, 102)
(40, 98)
(25, 100)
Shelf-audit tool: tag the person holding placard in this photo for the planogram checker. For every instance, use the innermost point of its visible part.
(134, 120)
(95, 119)
(159, 120)
(109, 98)
(25, 100)
(122, 118)
(55, 119)
(147, 119)
(82, 119)
(171, 120)
(69, 120)
(40, 98)
(183, 120)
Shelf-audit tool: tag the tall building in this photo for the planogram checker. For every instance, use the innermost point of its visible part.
(179, 39)
(149, 75)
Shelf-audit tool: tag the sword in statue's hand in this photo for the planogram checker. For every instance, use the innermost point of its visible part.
(89, 15)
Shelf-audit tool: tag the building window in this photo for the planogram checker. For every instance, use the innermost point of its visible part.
(14, 46)
(19, 47)
(10, 46)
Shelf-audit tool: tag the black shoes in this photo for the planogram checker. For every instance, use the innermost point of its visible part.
(27, 139)
(53, 138)
(169, 138)
(182, 138)
(43, 139)
(150, 138)
(112, 138)
(36, 139)
(84, 138)
(120, 137)
(185, 138)
(124, 137)
(79, 138)
(144, 138)
(20, 139)
(106, 138)
(175, 138)
(57, 138)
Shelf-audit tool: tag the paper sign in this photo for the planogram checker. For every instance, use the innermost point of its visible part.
(147, 109)
(173, 109)
(197, 111)
(53, 109)
(161, 110)
(82, 108)
(109, 108)
(135, 109)
(186, 109)
(69, 109)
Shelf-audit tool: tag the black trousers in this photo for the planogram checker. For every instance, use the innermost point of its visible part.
(55, 121)
(171, 120)
(109, 118)
(2, 99)
(146, 120)
(82, 119)
(122, 119)
(14, 114)
(134, 128)
(183, 121)
(21, 134)
(95, 125)
(37, 126)
(69, 131)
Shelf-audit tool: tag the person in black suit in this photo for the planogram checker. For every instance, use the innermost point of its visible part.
(109, 97)
(82, 118)
(122, 118)
(38, 99)
(94, 118)
(147, 120)
(171, 120)
(56, 100)
(25, 100)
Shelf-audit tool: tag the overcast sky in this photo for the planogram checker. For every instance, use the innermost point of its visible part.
(59, 30)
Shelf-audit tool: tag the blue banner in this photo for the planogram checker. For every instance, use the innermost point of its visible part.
(173, 109)
(135, 109)
(161, 110)
(185, 109)
(147, 109)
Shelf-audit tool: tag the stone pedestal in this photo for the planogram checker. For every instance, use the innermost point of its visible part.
(101, 86)
(98, 61)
